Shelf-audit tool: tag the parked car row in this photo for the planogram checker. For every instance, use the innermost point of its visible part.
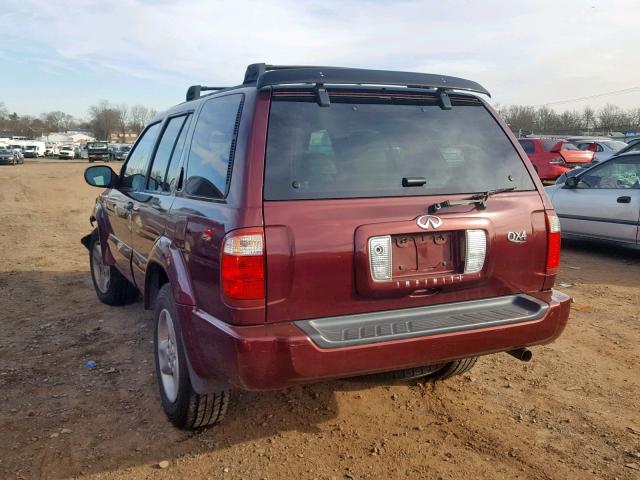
(552, 157)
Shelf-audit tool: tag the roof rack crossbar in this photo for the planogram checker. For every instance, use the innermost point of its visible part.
(194, 91)
(263, 75)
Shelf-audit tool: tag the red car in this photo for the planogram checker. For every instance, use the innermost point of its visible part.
(551, 157)
(318, 222)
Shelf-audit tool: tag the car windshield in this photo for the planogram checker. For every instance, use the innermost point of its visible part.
(4, 151)
(368, 147)
(97, 145)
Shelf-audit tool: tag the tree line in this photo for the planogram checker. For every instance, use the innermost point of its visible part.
(103, 119)
(543, 119)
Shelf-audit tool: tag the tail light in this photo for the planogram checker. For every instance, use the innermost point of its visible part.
(380, 258)
(475, 250)
(242, 265)
(558, 161)
(553, 243)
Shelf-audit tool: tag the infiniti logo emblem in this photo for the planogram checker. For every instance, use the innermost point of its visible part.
(429, 221)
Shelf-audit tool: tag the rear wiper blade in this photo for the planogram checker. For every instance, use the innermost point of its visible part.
(479, 199)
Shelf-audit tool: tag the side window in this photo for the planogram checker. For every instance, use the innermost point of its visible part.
(174, 164)
(135, 171)
(166, 155)
(528, 146)
(212, 147)
(618, 174)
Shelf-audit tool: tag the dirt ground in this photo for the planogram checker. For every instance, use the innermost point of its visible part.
(572, 413)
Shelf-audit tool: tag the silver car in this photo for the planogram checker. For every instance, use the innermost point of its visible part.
(604, 149)
(601, 202)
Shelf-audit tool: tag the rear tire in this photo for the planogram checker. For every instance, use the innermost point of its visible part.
(185, 408)
(112, 288)
(457, 367)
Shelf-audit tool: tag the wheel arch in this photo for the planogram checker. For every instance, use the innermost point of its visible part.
(101, 231)
(167, 264)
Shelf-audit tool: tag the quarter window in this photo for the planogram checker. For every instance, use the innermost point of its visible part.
(135, 171)
(212, 147)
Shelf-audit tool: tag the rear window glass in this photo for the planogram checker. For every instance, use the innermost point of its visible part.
(361, 147)
(549, 143)
(528, 146)
(568, 146)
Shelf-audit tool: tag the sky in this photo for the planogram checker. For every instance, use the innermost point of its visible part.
(67, 55)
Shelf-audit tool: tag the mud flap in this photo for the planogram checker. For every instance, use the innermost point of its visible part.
(86, 240)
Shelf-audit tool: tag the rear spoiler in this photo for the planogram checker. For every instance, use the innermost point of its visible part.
(263, 75)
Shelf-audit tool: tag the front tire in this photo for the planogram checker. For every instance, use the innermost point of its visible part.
(183, 406)
(111, 287)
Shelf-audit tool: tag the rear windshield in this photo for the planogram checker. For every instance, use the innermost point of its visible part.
(569, 146)
(615, 145)
(549, 143)
(360, 147)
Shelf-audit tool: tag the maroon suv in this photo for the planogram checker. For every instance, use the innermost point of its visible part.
(322, 222)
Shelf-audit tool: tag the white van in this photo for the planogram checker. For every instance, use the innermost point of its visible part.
(35, 149)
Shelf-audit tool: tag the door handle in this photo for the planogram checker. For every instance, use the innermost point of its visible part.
(624, 199)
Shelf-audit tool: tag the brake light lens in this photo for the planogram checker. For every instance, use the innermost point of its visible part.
(553, 243)
(242, 265)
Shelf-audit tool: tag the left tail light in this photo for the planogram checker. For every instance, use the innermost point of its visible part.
(242, 265)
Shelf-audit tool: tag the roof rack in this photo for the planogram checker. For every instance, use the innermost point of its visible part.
(194, 91)
(263, 75)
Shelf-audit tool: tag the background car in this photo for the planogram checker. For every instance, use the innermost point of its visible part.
(67, 152)
(9, 157)
(601, 202)
(603, 149)
(551, 157)
(121, 152)
(631, 147)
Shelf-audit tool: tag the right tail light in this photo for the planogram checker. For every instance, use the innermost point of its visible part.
(553, 243)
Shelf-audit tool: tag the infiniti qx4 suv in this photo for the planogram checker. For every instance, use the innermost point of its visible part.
(319, 222)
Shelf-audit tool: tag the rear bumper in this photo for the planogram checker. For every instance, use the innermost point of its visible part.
(278, 355)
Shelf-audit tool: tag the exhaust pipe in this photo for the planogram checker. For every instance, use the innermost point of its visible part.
(522, 354)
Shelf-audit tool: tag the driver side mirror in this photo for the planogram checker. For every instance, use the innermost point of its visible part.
(571, 182)
(101, 176)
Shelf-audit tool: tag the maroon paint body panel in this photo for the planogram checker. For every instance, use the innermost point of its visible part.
(279, 355)
(317, 254)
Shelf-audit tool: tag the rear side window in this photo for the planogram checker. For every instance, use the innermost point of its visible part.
(167, 154)
(135, 172)
(212, 147)
(365, 147)
(528, 146)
